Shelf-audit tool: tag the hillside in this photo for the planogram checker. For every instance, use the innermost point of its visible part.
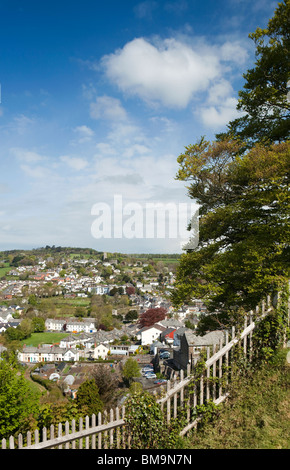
(256, 416)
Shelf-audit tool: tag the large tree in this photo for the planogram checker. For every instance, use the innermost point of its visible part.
(151, 316)
(264, 96)
(131, 370)
(18, 404)
(241, 182)
(244, 230)
(88, 398)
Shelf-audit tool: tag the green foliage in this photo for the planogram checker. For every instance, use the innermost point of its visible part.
(244, 228)
(38, 324)
(88, 399)
(146, 424)
(18, 404)
(264, 95)
(256, 414)
(131, 369)
(205, 413)
(55, 413)
(272, 331)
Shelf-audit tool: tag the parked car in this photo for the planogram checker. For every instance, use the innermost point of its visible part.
(148, 368)
(150, 375)
(160, 381)
(165, 355)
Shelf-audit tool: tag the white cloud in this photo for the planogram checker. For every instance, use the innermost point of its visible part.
(105, 149)
(219, 92)
(27, 156)
(23, 123)
(145, 9)
(85, 134)
(36, 171)
(220, 107)
(84, 131)
(233, 52)
(134, 150)
(106, 107)
(76, 163)
(170, 72)
(217, 117)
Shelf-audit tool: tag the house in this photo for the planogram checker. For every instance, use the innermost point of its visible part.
(51, 324)
(100, 351)
(72, 325)
(123, 349)
(10, 324)
(68, 341)
(76, 326)
(167, 336)
(149, 334)
(47, 353)
(191, 345)
(5, 316)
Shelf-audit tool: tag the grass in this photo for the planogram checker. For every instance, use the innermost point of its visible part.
(257, 415)
(4, 271)
(39, 338)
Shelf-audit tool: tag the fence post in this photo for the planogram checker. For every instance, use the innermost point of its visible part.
(73, 430)
(245, 337)
(44, 434)
(111, 431)
(123, 433)
(208, 375)
(214, 375)
(182, 390)
(220, 370)
(118, 429)
(168, 407)
(11, 442)
(99, 434)
(66, 433)
(60, 433)
(20, 441)
(80, 429)
(94, 436)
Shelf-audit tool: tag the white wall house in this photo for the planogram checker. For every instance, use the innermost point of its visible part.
(31, 354)
(71, 326)
(148, 335)
(88, 326)
(52, 324)
(100, 351)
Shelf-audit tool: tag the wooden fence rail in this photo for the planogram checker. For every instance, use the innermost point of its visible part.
(107, 430)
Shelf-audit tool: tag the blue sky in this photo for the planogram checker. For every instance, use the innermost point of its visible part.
(98, 99)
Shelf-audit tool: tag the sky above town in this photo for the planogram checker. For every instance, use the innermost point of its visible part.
(97, 101)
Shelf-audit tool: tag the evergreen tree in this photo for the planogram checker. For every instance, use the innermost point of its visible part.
(264, 95)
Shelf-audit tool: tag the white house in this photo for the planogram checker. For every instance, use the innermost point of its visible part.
(5, 316)
(149, 334)
(47, 353)
(100, 351)
(52, 324)
(72, 325)
(86, 325)
(123, 349)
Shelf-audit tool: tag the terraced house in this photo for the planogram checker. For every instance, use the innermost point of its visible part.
(47, 353)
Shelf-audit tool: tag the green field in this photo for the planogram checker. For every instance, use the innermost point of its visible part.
(74, 302)
(4, 271)
(40, 338)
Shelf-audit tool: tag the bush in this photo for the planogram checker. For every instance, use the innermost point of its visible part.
(146, 424)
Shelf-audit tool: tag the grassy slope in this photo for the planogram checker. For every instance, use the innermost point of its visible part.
(256, 417)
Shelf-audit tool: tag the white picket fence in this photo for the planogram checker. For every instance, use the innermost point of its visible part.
(108, 429)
